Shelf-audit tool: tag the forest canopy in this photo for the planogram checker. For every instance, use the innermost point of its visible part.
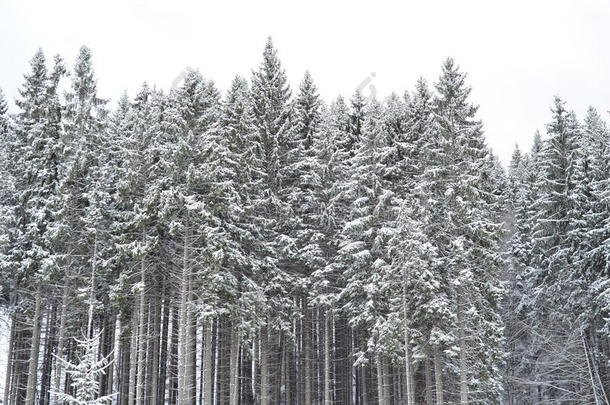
(263, 246)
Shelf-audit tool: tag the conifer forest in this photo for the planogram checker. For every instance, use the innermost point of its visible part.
(264, 246)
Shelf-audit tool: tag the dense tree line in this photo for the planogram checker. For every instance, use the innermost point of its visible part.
(263, 247)
(557, 315)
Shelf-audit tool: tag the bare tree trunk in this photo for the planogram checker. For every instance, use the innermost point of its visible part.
(192, 347)
(174, 358)
(207, 362)
(438, 376)
(47, 361)
(327, 335)
(185, 331)
(164, 348)
(156, 344)
(125, 366)
(387, 382)
(264, 348)
(428, 377)
(61, 339)
(133, 358)
(10, 359)
(307, 353)
(254, 370)
(110, 328)
(142, 337)
(234, 366)
(30, 395)
(462, 357)
(364, 386)
(380, 390)
(410, 385)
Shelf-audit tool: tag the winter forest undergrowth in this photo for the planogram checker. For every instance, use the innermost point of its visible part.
(263, 247)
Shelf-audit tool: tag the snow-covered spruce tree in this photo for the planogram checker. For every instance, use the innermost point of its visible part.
(237, 165)
(8, 232)
(85, 373)
(553, 205)
(4, 118)
(194, 112)
(524, 172)
(138, 229)
(363, 248)
(274, 131)
(357, 113)
(562, 373)
(230, 237)
(83, 197)
(586, 242)
(300, 184)
(34, 152)
(88, 368)
(596, 136)
(463, 222)
(328, 216)
(417, 302)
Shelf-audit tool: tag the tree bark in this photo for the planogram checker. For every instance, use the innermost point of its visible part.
(438, 376)
(327, 382)
(30, 395)
(307, 353)
(380, 390)
(10, 359)
(142, 337)
(428, 380)
(47, 362)
(208, 366)
(409, 381)
(462, 357)
(264, 342)
(234, 366)
(61, 338)
(133, 357)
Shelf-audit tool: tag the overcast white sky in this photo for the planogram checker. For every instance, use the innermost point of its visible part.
(518, 54)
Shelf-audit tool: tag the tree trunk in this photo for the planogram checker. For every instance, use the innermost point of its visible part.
(307, 353)
(428, 379)
(254, 370)
(164, 348)
(438, 376)
(184, 331)
(327, 335)
(380, 390)
(133, 357)
(30, 395)
(142, 338)
(156, 344)
(462, 357)
(207, 361)
(10, 359)
(409, 381)
(124, 352)
(234, 366)
(47, 362)
(174, 357)
(264, 343)
(61, 339)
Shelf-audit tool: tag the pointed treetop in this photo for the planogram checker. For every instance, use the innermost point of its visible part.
(515, 158)
(3, 114)
(308, 115)
(271, 67)
(3, 105)
(453, 92)
(33, 91)
(83, 80)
